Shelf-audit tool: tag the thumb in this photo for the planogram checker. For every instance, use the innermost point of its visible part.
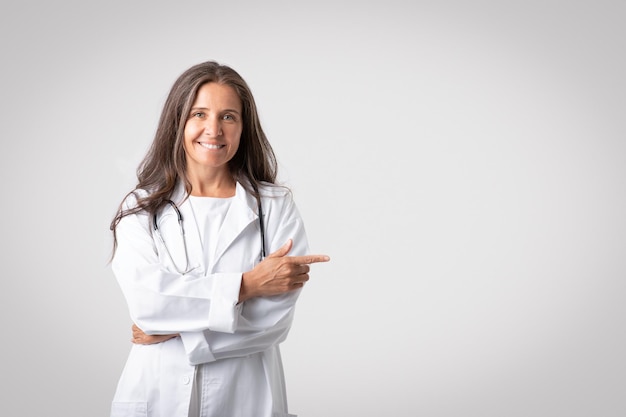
(282, 251)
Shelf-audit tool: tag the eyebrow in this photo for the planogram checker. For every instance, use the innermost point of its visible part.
(225, 110)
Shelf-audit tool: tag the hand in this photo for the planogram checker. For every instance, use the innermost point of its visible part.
(140, 338)
(278, 274)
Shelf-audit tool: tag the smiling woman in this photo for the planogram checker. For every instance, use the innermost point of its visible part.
(206, 337)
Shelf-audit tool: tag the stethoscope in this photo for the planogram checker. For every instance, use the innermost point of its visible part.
(182, 234)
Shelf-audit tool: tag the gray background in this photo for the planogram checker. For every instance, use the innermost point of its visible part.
(463, 163)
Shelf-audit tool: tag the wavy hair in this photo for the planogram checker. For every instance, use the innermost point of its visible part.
(165, 163)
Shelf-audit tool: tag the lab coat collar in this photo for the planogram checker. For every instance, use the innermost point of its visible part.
(242, 212)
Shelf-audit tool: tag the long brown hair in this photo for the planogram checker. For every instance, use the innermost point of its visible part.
(164, 164)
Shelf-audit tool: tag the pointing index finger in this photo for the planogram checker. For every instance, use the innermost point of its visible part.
(310, 259)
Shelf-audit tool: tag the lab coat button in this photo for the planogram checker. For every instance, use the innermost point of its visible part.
(185, 380)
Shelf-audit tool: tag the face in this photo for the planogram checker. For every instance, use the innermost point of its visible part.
(213, 129)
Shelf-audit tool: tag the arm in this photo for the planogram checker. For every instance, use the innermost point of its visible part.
(264, 319)
(167, 303)
(277, 274)
(161, 301)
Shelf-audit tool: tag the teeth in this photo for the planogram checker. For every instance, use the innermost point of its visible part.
(209, 146)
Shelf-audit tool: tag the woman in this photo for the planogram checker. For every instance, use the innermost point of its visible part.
(209, 309)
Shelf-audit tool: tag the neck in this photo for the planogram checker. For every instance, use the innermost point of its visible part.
(218, 186)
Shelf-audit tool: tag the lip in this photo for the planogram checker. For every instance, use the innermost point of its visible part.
(211, 146)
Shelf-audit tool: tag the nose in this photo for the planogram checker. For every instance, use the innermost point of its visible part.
(213, 126)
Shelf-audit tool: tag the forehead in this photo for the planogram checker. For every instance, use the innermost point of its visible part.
(217, 95)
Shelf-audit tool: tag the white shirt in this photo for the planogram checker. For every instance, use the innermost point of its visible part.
(210, 213)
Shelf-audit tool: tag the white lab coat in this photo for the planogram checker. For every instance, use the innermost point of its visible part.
(238, 342)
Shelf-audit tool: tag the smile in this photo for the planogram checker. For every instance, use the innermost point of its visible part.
(210, 145)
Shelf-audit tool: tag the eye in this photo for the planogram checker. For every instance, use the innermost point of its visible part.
(197, 114)
(228, 117)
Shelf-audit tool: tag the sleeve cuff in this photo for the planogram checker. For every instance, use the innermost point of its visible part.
(197, 348)
(224, 312)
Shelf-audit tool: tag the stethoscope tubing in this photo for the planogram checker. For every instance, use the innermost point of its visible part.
(179, 217)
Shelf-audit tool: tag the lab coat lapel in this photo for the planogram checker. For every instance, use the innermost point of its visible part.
(239, 216)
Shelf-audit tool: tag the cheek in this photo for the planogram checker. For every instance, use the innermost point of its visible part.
(239, 133)
(235, 146)
(191, 133)
(235, 139)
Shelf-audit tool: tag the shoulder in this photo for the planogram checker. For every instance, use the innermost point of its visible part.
(269, 192)
(277, 198)
(279, 204)
(131, 199)
(275, 191)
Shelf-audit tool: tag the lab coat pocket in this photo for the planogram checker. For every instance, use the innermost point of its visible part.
(127, 409)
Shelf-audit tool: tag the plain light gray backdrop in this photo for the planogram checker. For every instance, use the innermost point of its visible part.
(462, 162)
